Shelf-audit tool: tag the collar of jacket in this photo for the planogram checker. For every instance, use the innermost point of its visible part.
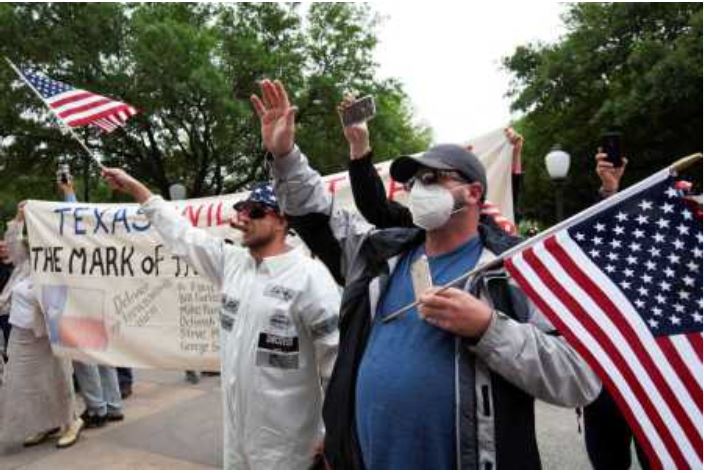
(277, 263)
(387, 243)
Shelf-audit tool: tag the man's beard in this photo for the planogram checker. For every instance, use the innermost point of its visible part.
(257, 242)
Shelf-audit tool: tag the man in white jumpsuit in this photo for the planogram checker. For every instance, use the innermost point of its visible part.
(278, 319)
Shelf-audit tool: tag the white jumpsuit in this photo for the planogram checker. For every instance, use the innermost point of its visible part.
(279, 341)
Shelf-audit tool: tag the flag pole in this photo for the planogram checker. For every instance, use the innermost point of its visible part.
(61, 122)
(684, 163)
(678, 165)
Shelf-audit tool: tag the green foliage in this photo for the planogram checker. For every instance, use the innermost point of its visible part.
(636, 67)
(190, 68)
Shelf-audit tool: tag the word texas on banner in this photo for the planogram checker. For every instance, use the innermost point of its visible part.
(113, 294)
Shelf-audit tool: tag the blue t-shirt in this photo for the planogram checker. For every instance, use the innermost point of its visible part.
(405, 394)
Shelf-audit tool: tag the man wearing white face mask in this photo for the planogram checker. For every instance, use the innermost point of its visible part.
(450, 385)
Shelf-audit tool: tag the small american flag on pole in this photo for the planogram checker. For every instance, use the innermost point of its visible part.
(77, 107)
(623, 283)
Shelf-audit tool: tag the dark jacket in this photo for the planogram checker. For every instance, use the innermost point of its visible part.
(494, 416)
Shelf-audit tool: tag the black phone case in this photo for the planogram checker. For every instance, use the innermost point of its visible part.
(611, 145)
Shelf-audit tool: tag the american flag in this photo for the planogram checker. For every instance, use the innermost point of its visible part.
(623, 284)
(77, 107)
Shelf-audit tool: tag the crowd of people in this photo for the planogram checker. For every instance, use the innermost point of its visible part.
(314, 372)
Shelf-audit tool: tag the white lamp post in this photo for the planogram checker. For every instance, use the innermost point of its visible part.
(177, 191)
(557, 163)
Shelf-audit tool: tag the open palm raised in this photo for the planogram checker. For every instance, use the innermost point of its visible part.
(277, 117)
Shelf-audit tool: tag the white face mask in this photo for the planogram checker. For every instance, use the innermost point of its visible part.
(431, 205)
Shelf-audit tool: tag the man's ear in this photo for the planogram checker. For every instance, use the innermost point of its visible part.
(474, 193)
(283, 223)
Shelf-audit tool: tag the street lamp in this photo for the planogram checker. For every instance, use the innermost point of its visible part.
(177, 191)
(557, 163)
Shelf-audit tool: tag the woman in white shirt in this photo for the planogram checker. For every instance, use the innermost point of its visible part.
(38, 400)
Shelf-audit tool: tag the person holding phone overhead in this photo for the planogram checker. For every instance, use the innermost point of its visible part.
(450, 384)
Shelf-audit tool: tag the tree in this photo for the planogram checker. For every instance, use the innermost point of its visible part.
(190, 69)
(636, 67)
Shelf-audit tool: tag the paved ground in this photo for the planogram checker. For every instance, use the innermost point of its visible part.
(171, 424)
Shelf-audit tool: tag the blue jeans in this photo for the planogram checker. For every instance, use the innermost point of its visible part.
(99, 388)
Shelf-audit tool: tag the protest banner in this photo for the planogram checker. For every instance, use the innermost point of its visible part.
(113, 294)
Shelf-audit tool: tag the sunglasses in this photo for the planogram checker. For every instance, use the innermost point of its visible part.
(433, 176)
(254, 210)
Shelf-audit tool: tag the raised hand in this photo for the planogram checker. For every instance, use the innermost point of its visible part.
(277, 117)
(513, 137)
(119, 180)
(357, 134)
(609, 175)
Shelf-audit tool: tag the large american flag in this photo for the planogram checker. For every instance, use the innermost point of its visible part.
(624, 286)
(77, 107)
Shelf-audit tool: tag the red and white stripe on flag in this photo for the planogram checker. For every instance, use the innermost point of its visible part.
(622, 281)
(657, 382)
(78, 107)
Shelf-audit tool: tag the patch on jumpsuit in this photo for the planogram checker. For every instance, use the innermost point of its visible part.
(228, 311)
(277, 347)
(280, 292)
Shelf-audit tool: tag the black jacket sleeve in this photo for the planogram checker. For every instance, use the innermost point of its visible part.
(516, 184)
(370, 196)
(315, 232)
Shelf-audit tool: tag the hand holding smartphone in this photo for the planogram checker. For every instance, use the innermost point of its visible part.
(359, 111)
(611, 145)
(63, 174)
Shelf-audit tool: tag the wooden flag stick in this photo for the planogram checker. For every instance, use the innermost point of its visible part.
(687, 161)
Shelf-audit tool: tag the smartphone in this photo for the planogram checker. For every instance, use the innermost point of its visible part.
(63, 174)
(611, 145)
(420, 276)
(359, 111)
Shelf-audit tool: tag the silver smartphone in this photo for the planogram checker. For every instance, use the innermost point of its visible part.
(359, 111)
(420, 276)
(63, 174)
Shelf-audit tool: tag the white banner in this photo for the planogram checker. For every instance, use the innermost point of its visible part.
(113, 294)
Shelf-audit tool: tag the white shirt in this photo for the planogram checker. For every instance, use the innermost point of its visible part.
(278, 340)
(24, 306)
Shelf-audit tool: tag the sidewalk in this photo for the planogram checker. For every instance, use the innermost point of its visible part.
(170, 424)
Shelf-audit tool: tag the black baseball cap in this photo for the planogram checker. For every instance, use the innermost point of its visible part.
(447, 157)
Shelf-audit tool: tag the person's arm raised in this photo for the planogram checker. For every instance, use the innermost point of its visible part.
(609, 175)
(202, 250)
(367, 187)
(300, 190)
(119, 180)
